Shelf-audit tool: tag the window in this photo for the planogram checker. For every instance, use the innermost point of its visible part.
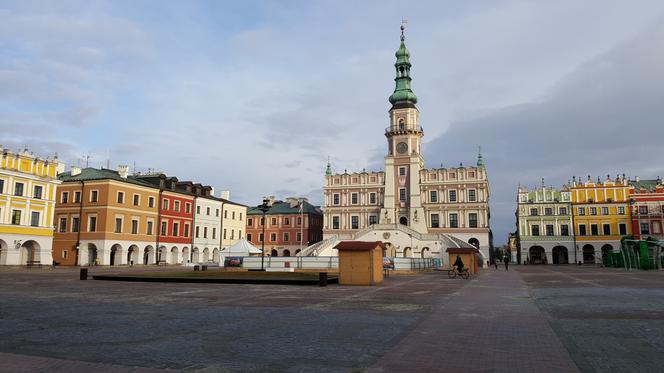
(564, 230)
(75, 224)
(207, 211)
(164, 205)
(535, 230)
(134, 226)
(622, 228)
(2, 186)
(354, 222)
(34, 218)
(151, 202)
(250, 222)
(433, 196)
(226, 214)
(205, 232)
(286, 237)
(582, 230)
(581, 210)
(120, 197)
(16, 217)
(176, 229)
(594, 230)
(373, 219)
(273, 222)
(549, 229)
(453, 196)
(643, 210)
(299, 221)
(38, 192)
(548, 211)
(605, 211)
(118, 225)
(149, 228)
(335, 199)
(240, 216)
(94, 196)
(402, 195)
(335, 222)
(233, 216)
(562, 211)
(402, 171)
(472, 195)
(621, 210)
(298, 237)
(65, 197)
(533, 212)
(217, 212)
(164, 227)
(198, 209)
(64, 254)
(606, 229)
(645, 228)
(77, 197)
(273, 237)
(472, 220)
(593, 211)
(18, 189)
(353, 198)
(372, 198)
(187, 208)
(225, 235)
(92, 224)
(454, 221)
(186, 230)
(435, 221)
(260, 236)
(286, 221)
(214, 233)
(249, 237)
(62, 226)
(136, 199)
(176, 206)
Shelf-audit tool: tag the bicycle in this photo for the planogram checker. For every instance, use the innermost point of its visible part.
(454, 272)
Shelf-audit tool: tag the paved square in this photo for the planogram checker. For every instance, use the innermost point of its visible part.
(531, 318)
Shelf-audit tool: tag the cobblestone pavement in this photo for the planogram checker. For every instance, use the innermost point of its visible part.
(535, 318)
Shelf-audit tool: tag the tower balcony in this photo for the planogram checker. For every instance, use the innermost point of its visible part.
(402, 129)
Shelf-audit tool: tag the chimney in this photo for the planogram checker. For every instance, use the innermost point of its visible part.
(123, 171)
(211, 191)
(75, 171)
(225, 194)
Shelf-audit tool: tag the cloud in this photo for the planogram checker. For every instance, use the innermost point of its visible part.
(605, 117)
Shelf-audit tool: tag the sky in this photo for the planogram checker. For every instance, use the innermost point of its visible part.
(253, 97)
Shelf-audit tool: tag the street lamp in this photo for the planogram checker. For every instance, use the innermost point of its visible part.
(264, 208)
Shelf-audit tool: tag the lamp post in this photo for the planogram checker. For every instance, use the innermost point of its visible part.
(265, 207)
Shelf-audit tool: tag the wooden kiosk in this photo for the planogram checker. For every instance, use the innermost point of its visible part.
(360, 262)
(469, 256)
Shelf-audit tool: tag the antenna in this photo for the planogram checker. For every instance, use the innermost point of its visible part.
(87, 160)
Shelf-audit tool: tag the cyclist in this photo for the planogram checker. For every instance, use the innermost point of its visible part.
(459, 264)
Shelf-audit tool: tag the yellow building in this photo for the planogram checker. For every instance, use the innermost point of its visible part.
(601, 216)
(27, 201)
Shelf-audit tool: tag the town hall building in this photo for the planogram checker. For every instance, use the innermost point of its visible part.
(418, 212)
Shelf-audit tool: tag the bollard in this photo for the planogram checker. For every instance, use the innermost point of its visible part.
(322, 279)
(197, 268)
(84, 274)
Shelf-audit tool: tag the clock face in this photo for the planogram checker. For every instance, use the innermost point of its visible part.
(402, 147)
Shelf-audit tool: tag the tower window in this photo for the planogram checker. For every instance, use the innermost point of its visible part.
(402, 195)
(402, 171)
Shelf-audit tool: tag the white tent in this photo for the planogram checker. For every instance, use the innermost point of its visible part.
(241, 248)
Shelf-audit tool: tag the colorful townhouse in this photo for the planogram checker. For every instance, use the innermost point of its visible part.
(601, 214)
(288, 228)
(214, 218)
(544, 226)
(105, 217)
(646, 199)
(175, 221)
(28, 186)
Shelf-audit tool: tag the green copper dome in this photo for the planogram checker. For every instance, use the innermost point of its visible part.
(402, 91)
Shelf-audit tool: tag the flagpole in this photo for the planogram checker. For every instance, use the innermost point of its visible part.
(302, 223)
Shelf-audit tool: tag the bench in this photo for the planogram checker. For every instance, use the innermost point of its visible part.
(33, 263)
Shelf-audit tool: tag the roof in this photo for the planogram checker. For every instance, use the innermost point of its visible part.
(648, 185)
(284, 208)
(358, 245)
(89, 174)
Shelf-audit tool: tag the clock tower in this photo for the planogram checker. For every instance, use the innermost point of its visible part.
(403, 162)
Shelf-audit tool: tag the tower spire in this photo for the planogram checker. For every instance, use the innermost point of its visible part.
(328, 169)
(480, 159)
(403, 95)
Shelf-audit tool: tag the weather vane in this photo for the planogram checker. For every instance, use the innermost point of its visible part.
(403, 27)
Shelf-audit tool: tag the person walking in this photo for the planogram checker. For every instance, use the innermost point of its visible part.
(495, 262)
(507, 262)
